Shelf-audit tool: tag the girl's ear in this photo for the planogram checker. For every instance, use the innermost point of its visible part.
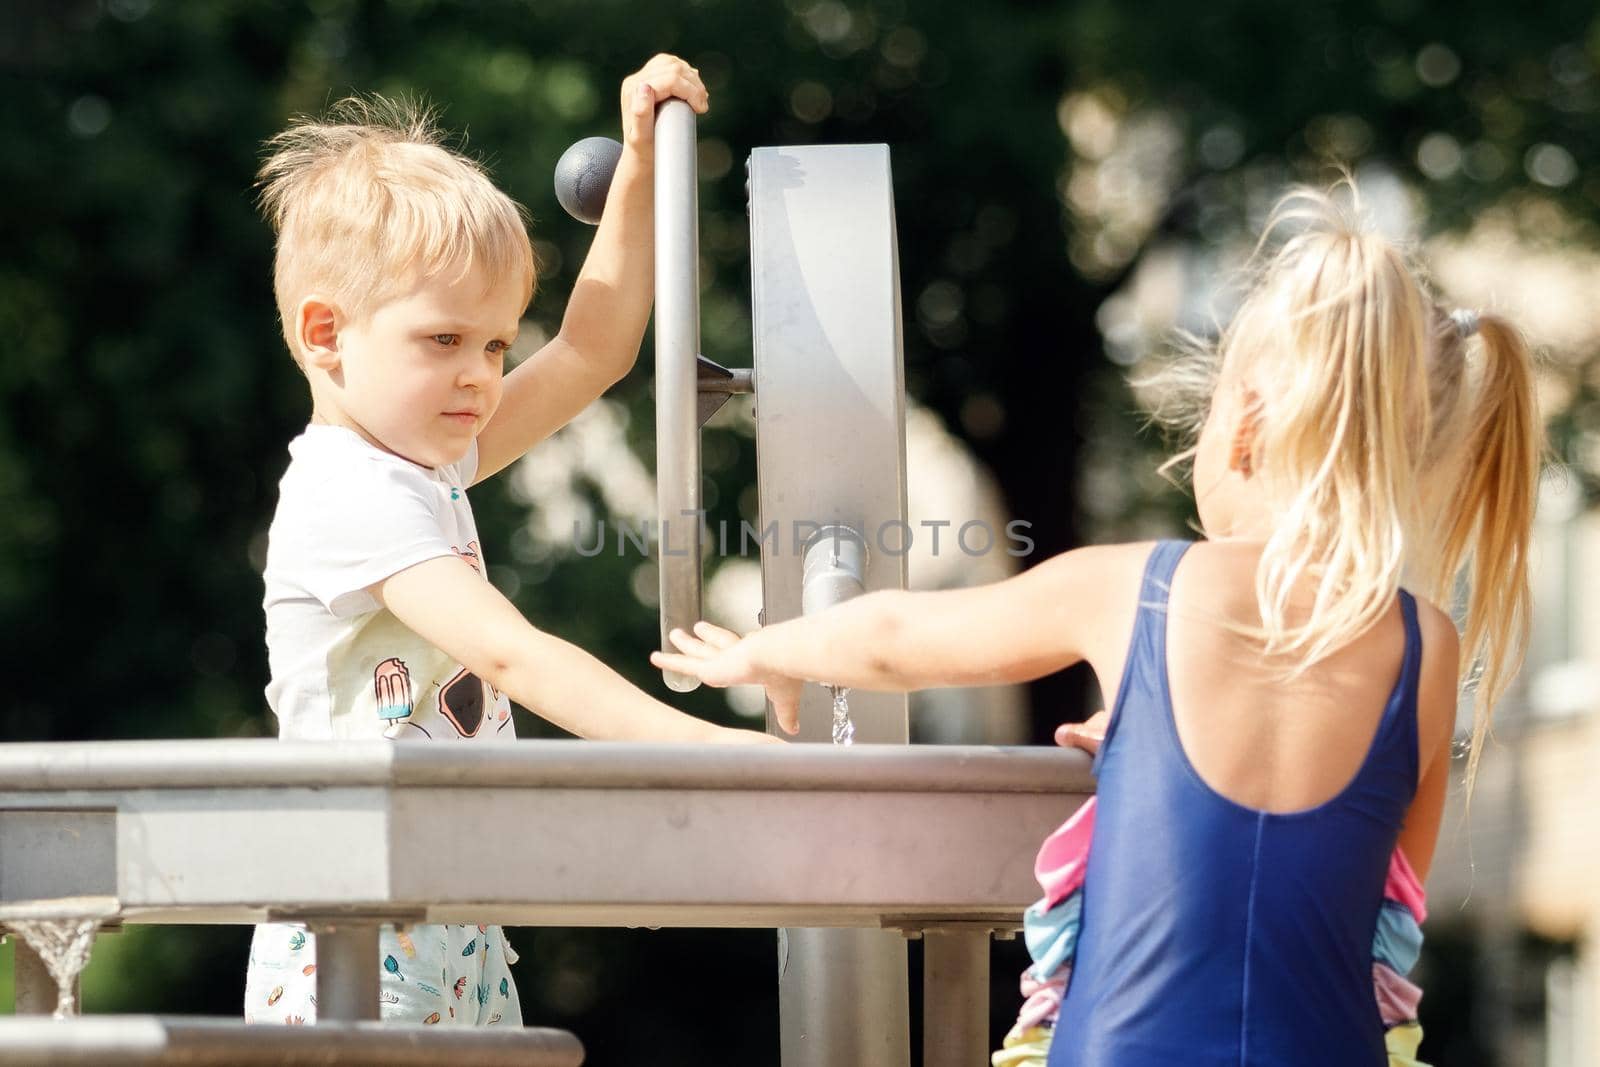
(1241, 452)
(317, 331)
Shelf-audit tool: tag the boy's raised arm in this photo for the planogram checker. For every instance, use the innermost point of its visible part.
(610, 303)
(450, 606)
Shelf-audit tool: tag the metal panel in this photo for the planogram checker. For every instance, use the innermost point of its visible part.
(62, 853)
(830, 423)
(205, 846)
(849, 854)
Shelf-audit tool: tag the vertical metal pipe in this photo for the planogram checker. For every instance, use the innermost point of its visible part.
(955, 998)
(347, 972)
(677, 329)
(33, 989)
(842, 996)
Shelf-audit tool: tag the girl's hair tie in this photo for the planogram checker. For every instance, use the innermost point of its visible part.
(1466, 321)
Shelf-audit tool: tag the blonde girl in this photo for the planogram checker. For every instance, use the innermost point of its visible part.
(1246, 887)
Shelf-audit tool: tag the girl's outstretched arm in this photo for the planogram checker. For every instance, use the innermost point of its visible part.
(1012, 631)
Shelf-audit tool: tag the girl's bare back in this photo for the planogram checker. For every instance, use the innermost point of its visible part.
(1252, 737)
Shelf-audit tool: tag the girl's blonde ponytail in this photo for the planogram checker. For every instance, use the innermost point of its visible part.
(1495, 440)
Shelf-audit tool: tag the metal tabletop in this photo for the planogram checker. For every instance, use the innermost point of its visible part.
(534, 832)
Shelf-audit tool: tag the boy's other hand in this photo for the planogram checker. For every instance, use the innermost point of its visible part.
(1086, 735)
(663, 78)
(722, 658)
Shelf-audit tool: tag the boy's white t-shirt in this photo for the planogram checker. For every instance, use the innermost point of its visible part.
(350, 515)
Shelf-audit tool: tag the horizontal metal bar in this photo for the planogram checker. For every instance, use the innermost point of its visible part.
(653, 857)
(121, 765)
(148, 1040)
(1002, 922)
(713, 377)
(716, 384)
(103, 909)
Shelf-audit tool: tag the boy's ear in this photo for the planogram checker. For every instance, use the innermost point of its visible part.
(1242, 450)
(317, 330)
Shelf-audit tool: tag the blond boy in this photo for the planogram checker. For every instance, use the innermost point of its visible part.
(401, 276)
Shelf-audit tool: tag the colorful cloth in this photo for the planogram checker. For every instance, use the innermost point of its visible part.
(1064, 857)
(1024, 1048)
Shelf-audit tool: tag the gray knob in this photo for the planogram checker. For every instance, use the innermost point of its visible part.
(583, 177)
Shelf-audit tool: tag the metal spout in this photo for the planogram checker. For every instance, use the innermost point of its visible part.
(834, 569)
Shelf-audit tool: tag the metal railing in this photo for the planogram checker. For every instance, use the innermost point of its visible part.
(596, 834)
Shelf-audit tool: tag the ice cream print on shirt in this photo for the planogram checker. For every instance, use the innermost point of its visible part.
(470, 556)
(391, 688)
(386, 681)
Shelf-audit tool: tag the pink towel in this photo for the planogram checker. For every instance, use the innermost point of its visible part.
(1064, 855)
(1402, 886)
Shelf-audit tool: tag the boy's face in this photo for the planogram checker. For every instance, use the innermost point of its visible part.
(420, 375)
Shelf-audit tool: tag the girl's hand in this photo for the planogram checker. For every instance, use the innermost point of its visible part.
(663, 78)
(722, 658)
(1086, 735)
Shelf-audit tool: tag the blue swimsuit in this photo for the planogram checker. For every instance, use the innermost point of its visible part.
(1213, 933)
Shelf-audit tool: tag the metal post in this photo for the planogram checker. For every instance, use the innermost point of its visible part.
(842, 998)
(347, 972)
(955, 998)
(32, 986)
(677, 329)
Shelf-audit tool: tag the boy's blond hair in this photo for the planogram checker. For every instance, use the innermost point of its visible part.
(366, 203)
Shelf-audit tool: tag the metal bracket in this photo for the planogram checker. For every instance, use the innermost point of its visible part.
(320, 917)
(717, 383)
(912, 929)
